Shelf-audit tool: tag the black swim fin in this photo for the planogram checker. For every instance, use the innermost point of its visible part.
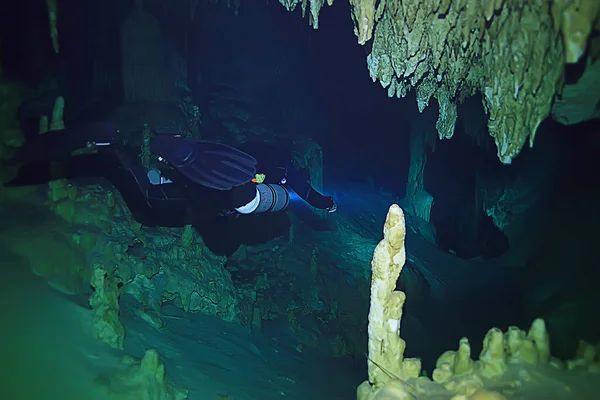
(210, 164)
(222, 167)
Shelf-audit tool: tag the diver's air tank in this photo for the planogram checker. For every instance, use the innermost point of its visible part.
(273, 198)
(269, 198)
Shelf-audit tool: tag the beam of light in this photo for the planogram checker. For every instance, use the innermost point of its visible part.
(294, 198)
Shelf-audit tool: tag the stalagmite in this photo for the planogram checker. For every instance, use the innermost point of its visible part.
(512, 364)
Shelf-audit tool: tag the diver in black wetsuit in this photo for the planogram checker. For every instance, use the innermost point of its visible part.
(199, 181)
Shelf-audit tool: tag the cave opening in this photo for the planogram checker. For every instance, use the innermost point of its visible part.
(452, 175)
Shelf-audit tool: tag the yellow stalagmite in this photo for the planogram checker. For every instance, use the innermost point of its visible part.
(386, 348)
(512, 364)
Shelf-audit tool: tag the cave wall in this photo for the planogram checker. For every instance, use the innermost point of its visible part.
(256, 66)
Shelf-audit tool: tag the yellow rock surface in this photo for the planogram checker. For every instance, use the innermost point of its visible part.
(512, 51)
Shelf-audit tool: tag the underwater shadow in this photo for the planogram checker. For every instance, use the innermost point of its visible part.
(306, 215)
(224, 235)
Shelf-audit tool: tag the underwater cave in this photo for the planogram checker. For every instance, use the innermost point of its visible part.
(303, 199)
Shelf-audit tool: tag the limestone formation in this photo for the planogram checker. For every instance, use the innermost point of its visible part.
(140, 379)
(105, 303)
(11, 96)
(580, 101)
(386, 348)
(513, 52)
(512, 364)
(51, 5)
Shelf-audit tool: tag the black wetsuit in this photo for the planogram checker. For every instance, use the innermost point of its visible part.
(174, 204)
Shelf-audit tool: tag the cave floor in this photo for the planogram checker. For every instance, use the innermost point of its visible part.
(212, 357)
(48, 343)
(50, 351)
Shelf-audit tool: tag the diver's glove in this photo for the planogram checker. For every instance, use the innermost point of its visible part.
(333, 207)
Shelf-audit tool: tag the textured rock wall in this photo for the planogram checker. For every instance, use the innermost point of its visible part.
(512, 51)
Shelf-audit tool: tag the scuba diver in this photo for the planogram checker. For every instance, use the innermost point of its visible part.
(196, 181)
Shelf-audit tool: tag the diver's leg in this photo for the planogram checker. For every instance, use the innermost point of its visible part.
(151, 205)
(132, 183)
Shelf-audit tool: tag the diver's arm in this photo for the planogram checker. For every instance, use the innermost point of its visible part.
(151, 205)
(314, 198)
(274, 164)
(298, 183)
